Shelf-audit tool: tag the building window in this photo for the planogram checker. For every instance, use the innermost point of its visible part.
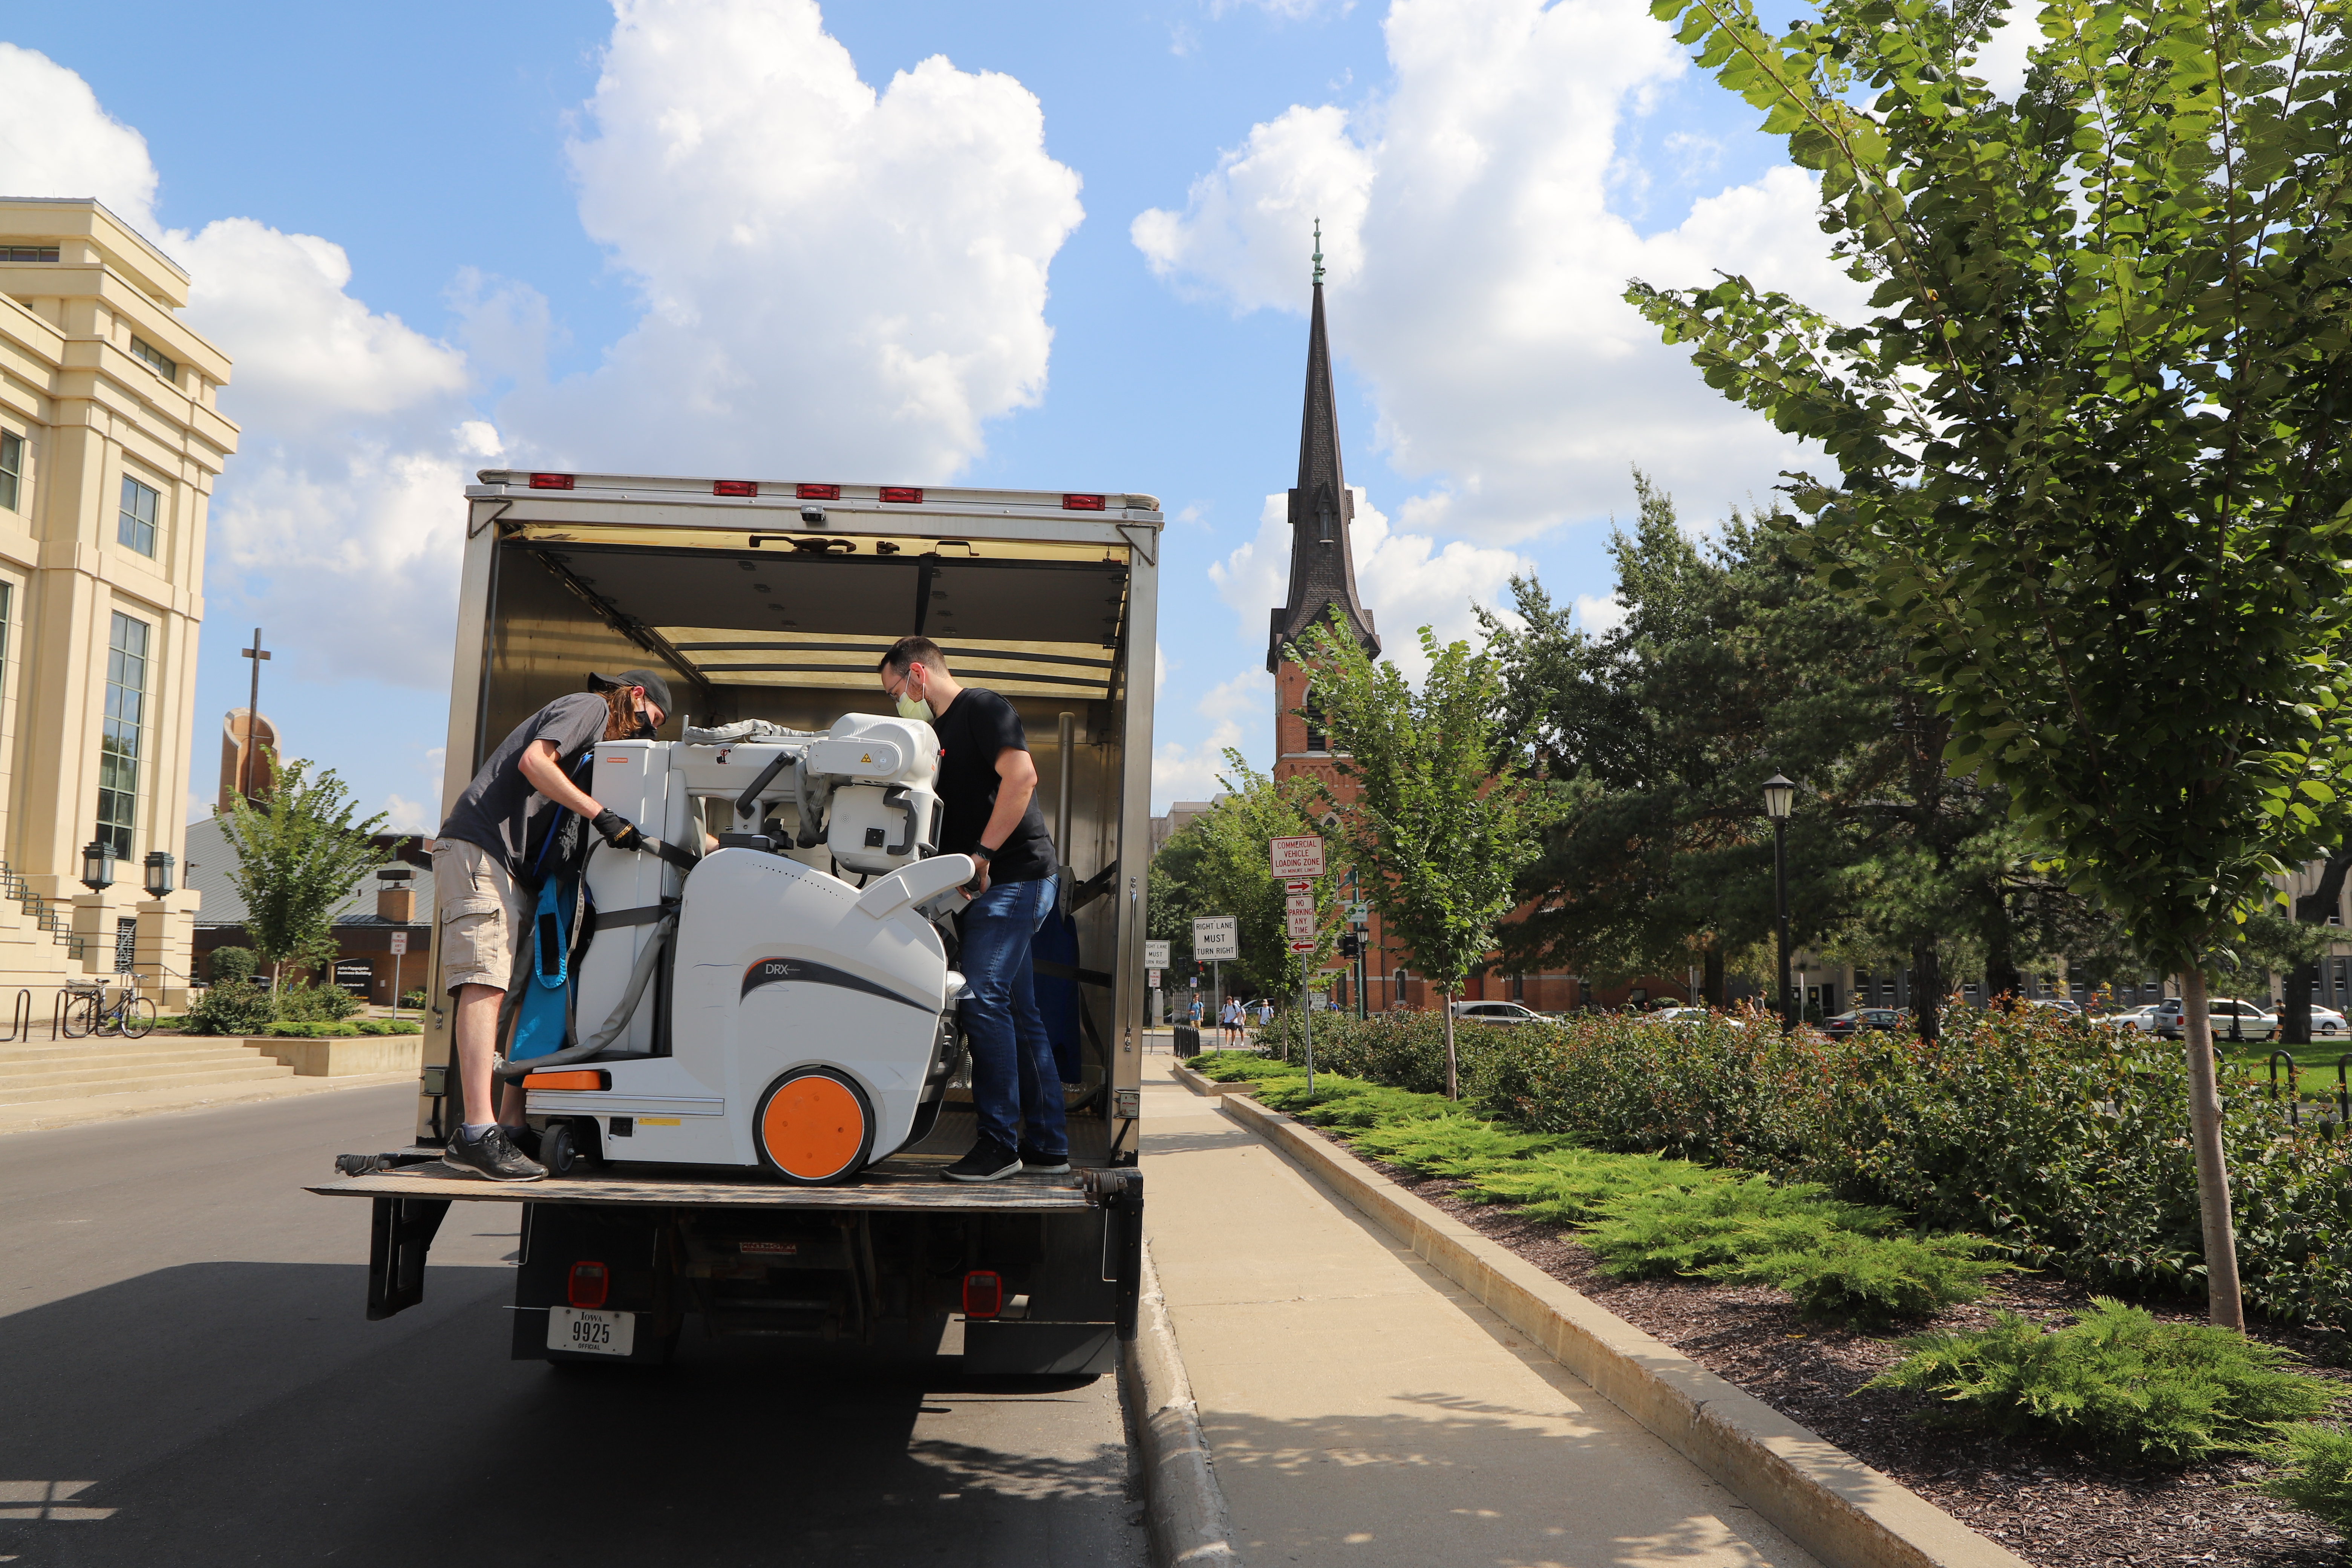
(1317, 740)
(136, 525)
(1518, 988)
(121, 745)
(7, 603)
(156, 360)
(12, 468)
(28, 253)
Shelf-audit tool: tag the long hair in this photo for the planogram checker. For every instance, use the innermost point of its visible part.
(621, 720)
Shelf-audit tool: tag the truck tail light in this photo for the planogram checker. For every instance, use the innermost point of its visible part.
(589, 1283)
(905, 495)
(816, 493)
(1082, 503)
(734, 488)
(551, 481)
(984, 1293)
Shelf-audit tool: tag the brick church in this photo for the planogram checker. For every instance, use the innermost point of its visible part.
(1322, 577)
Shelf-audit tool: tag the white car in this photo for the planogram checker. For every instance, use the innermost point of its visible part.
(2141, 1018)
(1691, 1015)
(2326, 1021)
(1496, 1012)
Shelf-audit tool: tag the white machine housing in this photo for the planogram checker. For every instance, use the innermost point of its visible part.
(779, 964)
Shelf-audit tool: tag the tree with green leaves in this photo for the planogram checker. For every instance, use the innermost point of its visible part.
(1219, 865)
(298, 856)
(1444, 813)
(2090, 437)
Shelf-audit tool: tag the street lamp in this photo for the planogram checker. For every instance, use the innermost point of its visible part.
(98, 865)
(1779, 799)
(159, 864)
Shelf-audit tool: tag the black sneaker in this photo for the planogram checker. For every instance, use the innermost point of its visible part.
(525, 1138)
(1036, 1165)
(493, 1154)
(988, 1162)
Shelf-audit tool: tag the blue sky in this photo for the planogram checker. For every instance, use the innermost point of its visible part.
(548, 269)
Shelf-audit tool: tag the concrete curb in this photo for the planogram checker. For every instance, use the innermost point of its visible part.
(1208, 1086)
(1189, 1525)
(1839, 1509)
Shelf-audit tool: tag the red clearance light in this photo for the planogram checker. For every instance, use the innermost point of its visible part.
(902, 493)
(734, 488)
(816, 493)
(587, 1286)
(1082, 503)
(551, 481)
(984, 1293)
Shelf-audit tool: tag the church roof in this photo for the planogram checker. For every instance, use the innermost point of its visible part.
(1322, 510)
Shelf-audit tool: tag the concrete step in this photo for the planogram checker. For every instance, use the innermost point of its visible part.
(115, 1072)
(113, 1049)
(254, 1070)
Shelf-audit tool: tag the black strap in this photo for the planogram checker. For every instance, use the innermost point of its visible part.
(674, 855)
(1093, 888)
(644, 915)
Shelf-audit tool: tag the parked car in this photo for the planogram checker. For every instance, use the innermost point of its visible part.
(1863, 1019)
(2254, 1023)
(1693, 1016)
(2141, 1018)
(2058, 1004)
(1496, 1012)
(2326, 1021)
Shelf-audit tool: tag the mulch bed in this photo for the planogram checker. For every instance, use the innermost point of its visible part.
(2050, 1507)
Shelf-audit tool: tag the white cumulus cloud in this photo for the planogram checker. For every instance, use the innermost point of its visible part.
(1408, 580)
(1241, 715)
(57, 140)
(833, 277)
(1477, 264)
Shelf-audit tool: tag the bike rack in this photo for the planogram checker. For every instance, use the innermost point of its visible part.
(2294, 1092)
(20, 1020)
(2343, 1092)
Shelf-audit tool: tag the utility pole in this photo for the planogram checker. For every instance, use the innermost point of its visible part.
(252, 712)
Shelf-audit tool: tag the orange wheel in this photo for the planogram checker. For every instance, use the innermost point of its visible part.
(815, 1127)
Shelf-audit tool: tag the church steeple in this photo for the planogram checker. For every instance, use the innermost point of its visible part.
(1322, 561)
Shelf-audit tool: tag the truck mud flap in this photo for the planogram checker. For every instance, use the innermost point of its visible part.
(400, 1234)
(1118, 1193)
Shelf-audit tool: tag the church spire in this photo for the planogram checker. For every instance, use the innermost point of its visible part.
(1322, 562)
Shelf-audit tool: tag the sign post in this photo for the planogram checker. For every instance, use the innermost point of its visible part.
(1297, 861)
(399, 946)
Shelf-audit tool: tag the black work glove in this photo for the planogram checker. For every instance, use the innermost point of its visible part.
(618, 830)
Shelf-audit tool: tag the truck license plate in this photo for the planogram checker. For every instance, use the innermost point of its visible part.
(591, 1333)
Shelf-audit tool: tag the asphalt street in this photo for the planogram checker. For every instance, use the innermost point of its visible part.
(187, 1376)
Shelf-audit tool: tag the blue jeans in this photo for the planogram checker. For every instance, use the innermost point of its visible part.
(1015, 1086)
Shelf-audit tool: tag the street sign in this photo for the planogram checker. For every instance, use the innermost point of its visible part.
(1297, 885)
(1297, 856)
(1155, 980)
(1302, 947)
(1299, 925)
(1194, 983)
(1216, 937)
(399, 942)
(1155, 956)
(1297, 903)
(1359, 913)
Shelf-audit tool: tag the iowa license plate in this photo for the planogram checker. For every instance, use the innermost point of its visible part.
(591, 1333)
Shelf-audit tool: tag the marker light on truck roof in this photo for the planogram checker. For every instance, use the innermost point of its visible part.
(551, 481)
(1082, 503)
(816, 493)
(906, 494)
(734, 488)
(588, 1285)
(984, 1293)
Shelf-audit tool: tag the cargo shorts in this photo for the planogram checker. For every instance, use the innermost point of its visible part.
(482, 911)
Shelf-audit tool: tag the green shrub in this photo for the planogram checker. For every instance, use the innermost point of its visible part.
(2315, 1473)
(413, 999)
(387, 1026)
(1405, 1049)
(1566, 1186)
(1870, 1278)
(231, 1008)
(2118, 1383)
(1449, 1145)
(316, 1002)
(1240, 1067)
(1682, 1231)
(233, 963)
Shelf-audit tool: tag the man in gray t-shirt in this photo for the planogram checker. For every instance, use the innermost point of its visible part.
(481, 868)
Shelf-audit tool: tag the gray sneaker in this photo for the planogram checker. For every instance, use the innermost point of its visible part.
(493, 1154)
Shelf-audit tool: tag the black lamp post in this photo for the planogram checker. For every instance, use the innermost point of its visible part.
(1779, 799)
(159, 864)
(98, 865)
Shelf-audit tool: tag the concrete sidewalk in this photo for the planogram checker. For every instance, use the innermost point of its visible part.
(1360, 1408)
(42, 1114)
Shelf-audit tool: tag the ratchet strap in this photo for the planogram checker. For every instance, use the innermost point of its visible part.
(642, 915)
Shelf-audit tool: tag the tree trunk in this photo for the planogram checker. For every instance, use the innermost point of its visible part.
(1927, 989)
(2001, 976)
(1452, 1078)
(2226, 1309)
(2313, 906)
(1713, 983)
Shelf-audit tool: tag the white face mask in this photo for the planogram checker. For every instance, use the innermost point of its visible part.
(911, 707)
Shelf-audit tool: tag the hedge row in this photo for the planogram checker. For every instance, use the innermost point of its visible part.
(2068, 1146)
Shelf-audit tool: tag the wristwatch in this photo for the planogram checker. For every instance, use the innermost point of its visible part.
(983, 852)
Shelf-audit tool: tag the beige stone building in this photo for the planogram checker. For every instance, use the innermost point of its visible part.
(111, 441)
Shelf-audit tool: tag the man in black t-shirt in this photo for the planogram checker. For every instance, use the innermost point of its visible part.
(987, 782)
(481, 892)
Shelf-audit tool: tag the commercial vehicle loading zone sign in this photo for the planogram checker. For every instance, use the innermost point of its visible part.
(1299, 857)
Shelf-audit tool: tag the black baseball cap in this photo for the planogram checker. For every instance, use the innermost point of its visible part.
(657, 689)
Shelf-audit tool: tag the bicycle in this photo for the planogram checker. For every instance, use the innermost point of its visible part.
(88, 1013)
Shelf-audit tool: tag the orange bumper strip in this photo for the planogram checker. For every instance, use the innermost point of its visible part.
(568, 1080)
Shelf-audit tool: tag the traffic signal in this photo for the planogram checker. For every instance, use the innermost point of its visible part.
(1351, 945)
